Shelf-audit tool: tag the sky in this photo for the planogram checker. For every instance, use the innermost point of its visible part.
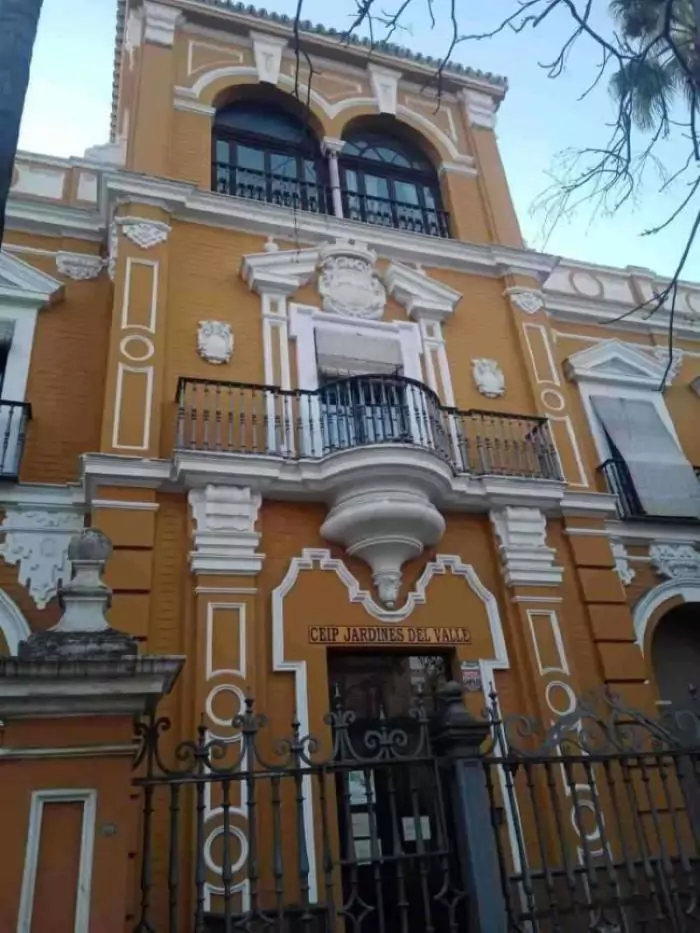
(69, 97)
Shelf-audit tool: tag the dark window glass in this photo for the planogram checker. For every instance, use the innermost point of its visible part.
(387, 181)
(262, 152)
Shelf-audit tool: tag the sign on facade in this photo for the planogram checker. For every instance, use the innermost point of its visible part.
(388, 635)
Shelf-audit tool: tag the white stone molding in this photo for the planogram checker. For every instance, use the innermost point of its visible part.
(488, 377)
(385, 523)
(481, 108)
(113, 246)
(385, 83)
(37, 539)
(111, 153)
(133, 34)
(41, 801)
(662, 355)
(215, 341)
(332, 146)
(625, 572)
(526, 559)
(529, 300)
(79, 266)
(686, 589)
(144, 233)
(617, 363)
(22, 284)
(423, 298)
(279, 271)
(225, 539)
(348, 282)
(160, 22)
(675, 560)
(13, 625)
(267, 54)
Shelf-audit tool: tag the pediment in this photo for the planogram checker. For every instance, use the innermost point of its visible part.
(614, 361)
(421, 296)
(349, 281)
(23, 284)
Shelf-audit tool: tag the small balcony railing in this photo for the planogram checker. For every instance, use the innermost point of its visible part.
(397, 214)
(272, 189)
(620, 483)
(14, 417)
(317, 198)
(361, 411)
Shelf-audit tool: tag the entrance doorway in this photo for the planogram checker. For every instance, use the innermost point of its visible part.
(394, 820)
(675, 654)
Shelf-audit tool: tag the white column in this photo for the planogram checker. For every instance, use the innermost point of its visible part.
(331, 148)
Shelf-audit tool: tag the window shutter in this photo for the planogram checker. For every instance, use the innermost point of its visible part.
(663, 478)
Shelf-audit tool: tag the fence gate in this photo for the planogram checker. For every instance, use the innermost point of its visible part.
(597, 821)
(352, 831)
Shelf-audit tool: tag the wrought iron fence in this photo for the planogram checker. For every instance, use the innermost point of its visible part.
(348, 831)
(357, 412)
(434, 822)
(603, 829)
(14, 418)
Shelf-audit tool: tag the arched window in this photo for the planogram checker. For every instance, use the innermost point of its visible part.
(264, 152)
(385, 180)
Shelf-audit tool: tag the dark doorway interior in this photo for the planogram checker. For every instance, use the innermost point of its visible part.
(394, 825)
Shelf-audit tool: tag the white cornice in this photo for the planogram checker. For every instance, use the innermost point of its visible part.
(422, 297)
(188, 203)
(279, 271)
(23, 284)
(582, 311)
(614, 362)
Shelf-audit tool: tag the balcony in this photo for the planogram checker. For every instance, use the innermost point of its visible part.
(14, 417)
(629, 506)
(317, 198)
(360, 412)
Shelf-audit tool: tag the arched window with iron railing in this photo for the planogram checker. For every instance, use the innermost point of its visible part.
(386, 179)
(265, 152)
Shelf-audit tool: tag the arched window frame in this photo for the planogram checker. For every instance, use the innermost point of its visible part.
(405, 197)
(287, 172)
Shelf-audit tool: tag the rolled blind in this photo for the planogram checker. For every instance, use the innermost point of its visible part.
(663, 478)
(356, 353)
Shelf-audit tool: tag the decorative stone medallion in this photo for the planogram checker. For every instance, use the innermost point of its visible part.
(348, 282)
(489, 378)
(215, 341)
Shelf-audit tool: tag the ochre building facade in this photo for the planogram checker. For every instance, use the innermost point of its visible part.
(282, 342)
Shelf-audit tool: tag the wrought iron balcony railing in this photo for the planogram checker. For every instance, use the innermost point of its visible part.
(318, 199)
(273, 189)
(361, 411)
(14, 417)
(397, 214)
(620, 483)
